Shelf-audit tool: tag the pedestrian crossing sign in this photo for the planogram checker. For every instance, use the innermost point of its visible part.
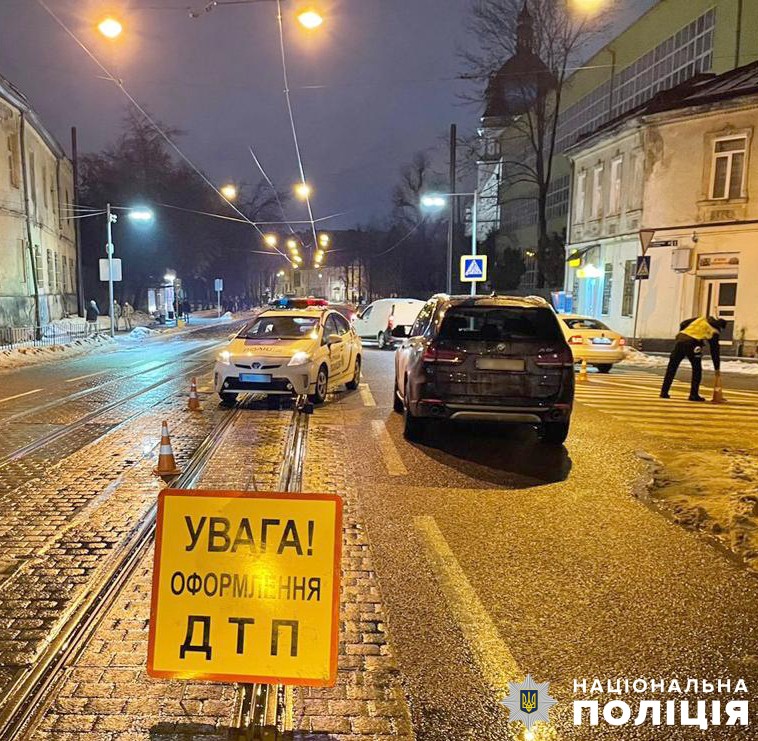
(473, 268)
(643, 268)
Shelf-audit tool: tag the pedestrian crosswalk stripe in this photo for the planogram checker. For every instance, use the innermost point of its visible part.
(633, 398)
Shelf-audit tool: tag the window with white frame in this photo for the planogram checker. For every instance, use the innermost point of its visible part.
(728, 168)
(50, 282)
(607, 289)
(638, 165)
(57, 271)
(614, 197)
(596, 208)
(581, 187)
(38, 266)
(13, 161)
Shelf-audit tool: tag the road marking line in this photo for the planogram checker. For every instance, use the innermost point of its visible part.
(89, 375)
(390, 457)
(366, 396)
(18, 396)
(496, 662)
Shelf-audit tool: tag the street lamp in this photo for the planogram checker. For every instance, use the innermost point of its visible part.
(292, 244)
(229, 191)
(110, 28)
(436, 201)
(310, 18)
(270, 240)
(324, 239)
(303, 191)
(139, 214)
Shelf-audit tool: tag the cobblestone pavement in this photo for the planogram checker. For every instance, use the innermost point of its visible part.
(107, 694)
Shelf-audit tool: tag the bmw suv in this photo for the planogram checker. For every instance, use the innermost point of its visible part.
(486, 358)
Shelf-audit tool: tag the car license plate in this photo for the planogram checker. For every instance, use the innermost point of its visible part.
(501, 364)
(255, 377)
(601, 341)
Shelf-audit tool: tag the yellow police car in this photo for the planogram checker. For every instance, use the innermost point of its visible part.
(299, 346)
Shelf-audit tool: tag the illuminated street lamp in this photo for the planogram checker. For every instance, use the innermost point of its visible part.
(303, 191)
(297, 258)
(229, 191)
(436, 201)
(292, 244)
(140, 214)
(110, 28)
(310, 18)
(324, 239)
(270, 240)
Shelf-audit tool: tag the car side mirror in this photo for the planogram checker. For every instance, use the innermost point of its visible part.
(401, 331)
(334, 339)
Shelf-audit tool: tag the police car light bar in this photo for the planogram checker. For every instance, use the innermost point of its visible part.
(299, 303)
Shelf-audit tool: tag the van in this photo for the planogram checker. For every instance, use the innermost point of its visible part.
(376, 322)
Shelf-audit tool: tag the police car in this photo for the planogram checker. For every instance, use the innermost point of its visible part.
(298, 346)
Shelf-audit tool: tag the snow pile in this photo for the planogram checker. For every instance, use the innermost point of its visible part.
(641, 360)
(714, 492)
(141, 333)
(22, 356)
(227, 317)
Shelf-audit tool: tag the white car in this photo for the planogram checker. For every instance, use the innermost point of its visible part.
(376, 322)
(300, 347)
(593, 341)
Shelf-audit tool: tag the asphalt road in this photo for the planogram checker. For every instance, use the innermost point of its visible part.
(499, 556)
(495, 555)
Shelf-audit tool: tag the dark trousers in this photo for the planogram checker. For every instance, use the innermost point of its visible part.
(693, 351)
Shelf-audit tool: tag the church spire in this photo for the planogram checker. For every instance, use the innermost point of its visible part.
(525, 30)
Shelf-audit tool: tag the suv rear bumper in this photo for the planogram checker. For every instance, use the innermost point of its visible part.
(437, 409)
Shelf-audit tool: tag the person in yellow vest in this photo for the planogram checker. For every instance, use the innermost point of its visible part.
(689, 344)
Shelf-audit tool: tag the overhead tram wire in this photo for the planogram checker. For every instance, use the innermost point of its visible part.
(280, 24)
(120, 84)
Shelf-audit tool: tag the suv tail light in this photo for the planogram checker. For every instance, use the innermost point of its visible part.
(577, 339)
(434, 355)
(554, 359)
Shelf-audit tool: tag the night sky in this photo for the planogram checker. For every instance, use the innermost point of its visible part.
(374, 85)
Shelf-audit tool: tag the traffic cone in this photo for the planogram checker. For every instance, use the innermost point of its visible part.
(582, 377)
(194, 399)
(718, 392)
(166, 462)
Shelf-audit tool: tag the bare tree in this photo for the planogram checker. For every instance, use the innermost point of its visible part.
(527, 48)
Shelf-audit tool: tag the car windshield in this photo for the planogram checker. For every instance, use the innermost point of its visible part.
(498, 324)
(582, 322)
(279, 328)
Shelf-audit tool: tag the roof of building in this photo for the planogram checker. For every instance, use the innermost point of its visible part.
(10, 93)
(702, 89)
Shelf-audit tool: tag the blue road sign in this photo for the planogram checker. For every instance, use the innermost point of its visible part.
(643, 268)
(473, 268)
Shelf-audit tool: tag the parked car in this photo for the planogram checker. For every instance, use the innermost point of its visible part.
(376, 322)
(485, 358)
(300, 348)
(347, 310)
(593, 341)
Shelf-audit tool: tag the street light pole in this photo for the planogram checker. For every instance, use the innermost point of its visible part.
(109, 249)
(451, 215)
(474, 226)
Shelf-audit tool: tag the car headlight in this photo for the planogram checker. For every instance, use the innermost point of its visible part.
(300, 358)
(224, 357)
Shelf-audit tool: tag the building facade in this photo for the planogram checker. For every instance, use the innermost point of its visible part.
(670, 43)
(38, 260)
(685, 166)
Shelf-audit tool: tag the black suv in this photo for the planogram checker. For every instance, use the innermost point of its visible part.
(486, 358)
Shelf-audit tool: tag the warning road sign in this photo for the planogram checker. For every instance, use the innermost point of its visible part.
(643, 268)
(246, 587)
(473, 268)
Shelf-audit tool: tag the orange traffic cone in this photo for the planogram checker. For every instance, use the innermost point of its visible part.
(582, 377)
(166, 462)
(194, 399)
(718, 392)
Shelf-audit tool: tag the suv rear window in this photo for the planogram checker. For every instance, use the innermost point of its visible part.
(499, 324)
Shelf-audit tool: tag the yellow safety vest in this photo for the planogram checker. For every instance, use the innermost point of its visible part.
(700, 329)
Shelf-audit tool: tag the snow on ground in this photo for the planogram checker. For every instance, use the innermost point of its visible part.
(641, 360)
(140, 333)
(714, 492)
(22, 356)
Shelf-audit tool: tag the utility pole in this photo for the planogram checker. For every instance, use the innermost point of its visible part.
(451, 216)
(28, 219)
(474, 226)
(77, 232)
(110, 218)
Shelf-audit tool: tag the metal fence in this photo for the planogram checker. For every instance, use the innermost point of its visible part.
(60, 333)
